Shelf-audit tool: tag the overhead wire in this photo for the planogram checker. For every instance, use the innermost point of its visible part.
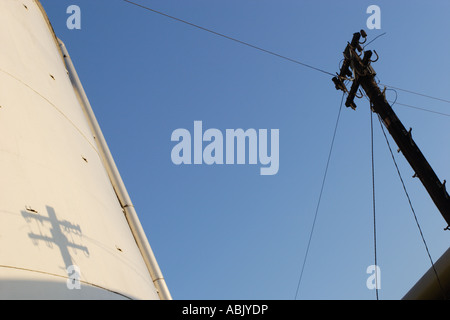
(319, 199)
(416, 93)
(411, 106)
(409, 201)
(380, 35)
(413, 211)
(374, 207)
(421, 109)
(230, 38)
(290, 59)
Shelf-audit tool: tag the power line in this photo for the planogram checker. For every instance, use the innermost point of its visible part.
(412, 209)
(374, 207)
(414, 107)
(416, 93)
(320, 198)
(279, 55)
(422, 109)
(380, 35)
(230, 38)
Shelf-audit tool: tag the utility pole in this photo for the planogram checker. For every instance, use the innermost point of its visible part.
(361, 73)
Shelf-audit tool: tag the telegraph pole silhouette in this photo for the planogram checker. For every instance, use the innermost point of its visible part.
(360, 72)
(58, 237)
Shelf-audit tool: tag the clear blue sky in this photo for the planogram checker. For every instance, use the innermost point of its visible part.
(225, 231)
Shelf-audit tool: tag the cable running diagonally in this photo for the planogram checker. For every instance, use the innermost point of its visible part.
(320, 198)
(230, 38)
(380, 35)
(421, 109)
(412, 209)
(416, 93)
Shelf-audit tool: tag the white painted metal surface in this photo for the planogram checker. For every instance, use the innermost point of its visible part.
(58, 207)
(435, 283)
(117, 183)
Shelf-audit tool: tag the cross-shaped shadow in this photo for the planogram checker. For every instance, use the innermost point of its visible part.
(57, 235)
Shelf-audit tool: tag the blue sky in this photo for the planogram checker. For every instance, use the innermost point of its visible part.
(225, 231)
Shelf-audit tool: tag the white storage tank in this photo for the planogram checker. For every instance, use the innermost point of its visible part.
(67, 227)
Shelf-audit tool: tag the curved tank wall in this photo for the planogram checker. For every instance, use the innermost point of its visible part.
(58, 211)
